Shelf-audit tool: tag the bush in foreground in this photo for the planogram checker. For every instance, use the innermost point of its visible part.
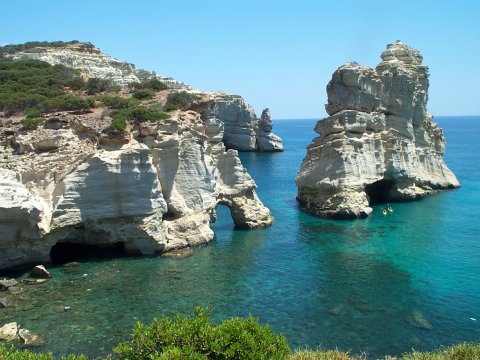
(197, 338)
(8, 352)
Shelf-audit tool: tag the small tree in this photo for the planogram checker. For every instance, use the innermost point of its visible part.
(96, 85)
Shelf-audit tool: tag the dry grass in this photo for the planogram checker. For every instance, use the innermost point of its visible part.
(465, 351)
(324, 355)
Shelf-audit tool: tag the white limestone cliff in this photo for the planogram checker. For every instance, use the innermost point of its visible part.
(379, 143)
(156, 192)
(243, 130)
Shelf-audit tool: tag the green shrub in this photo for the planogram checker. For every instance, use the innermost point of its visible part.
(116, 102)
(179, 100)
(32, 113)
(197, 338)
(68, 103)
(120, 117)
(114, 89)
(96, 85)
(32, 84)
(8, 352)
(144, 94)
(156, 106)
(117, 123)
(239, 338)
(75, 83)
(152, 84)
(31, 123)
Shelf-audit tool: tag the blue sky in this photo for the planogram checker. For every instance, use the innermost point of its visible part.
(279, 54)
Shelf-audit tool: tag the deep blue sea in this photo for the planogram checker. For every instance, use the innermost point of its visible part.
(383, 285)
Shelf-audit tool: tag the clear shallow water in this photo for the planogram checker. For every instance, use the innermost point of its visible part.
(365, 285)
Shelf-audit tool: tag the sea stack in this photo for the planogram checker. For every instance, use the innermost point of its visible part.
(379, 143)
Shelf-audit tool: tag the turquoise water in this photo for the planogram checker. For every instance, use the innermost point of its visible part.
(383, 285)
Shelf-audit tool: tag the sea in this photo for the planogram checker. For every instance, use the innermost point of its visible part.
(377, 286)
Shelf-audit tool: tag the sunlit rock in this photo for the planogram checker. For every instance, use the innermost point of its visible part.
(379, 143)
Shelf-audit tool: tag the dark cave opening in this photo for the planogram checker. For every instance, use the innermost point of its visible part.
(379, 192)
(65, 252)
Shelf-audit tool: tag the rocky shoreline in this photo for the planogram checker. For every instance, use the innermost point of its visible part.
(150, 186)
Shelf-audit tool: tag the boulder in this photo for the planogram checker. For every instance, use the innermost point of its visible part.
(39, 272)
(9, 332)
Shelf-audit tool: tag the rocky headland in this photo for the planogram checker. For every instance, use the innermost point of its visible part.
(379, 144)
(119, 169)
(243, 130)
(153, 189)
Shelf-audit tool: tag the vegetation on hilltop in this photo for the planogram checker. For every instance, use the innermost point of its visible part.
(36, 87)
(196, 338)
(13, 48)
(36, 84)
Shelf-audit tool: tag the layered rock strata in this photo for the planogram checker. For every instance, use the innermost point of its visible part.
(379, 143)
(154, 192)
(243, 131)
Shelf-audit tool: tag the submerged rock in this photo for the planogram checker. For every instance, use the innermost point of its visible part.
(420, 321)
(30, 281)
(379, 143)
(29, 339)
(3, 303)
(178, 254)
(7, 283)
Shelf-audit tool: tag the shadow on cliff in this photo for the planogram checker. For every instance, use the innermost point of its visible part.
(112, 202)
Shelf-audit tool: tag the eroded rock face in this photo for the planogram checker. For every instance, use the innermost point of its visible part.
(158, 192)
(379, 143)
(266, 140)
(243, 130)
